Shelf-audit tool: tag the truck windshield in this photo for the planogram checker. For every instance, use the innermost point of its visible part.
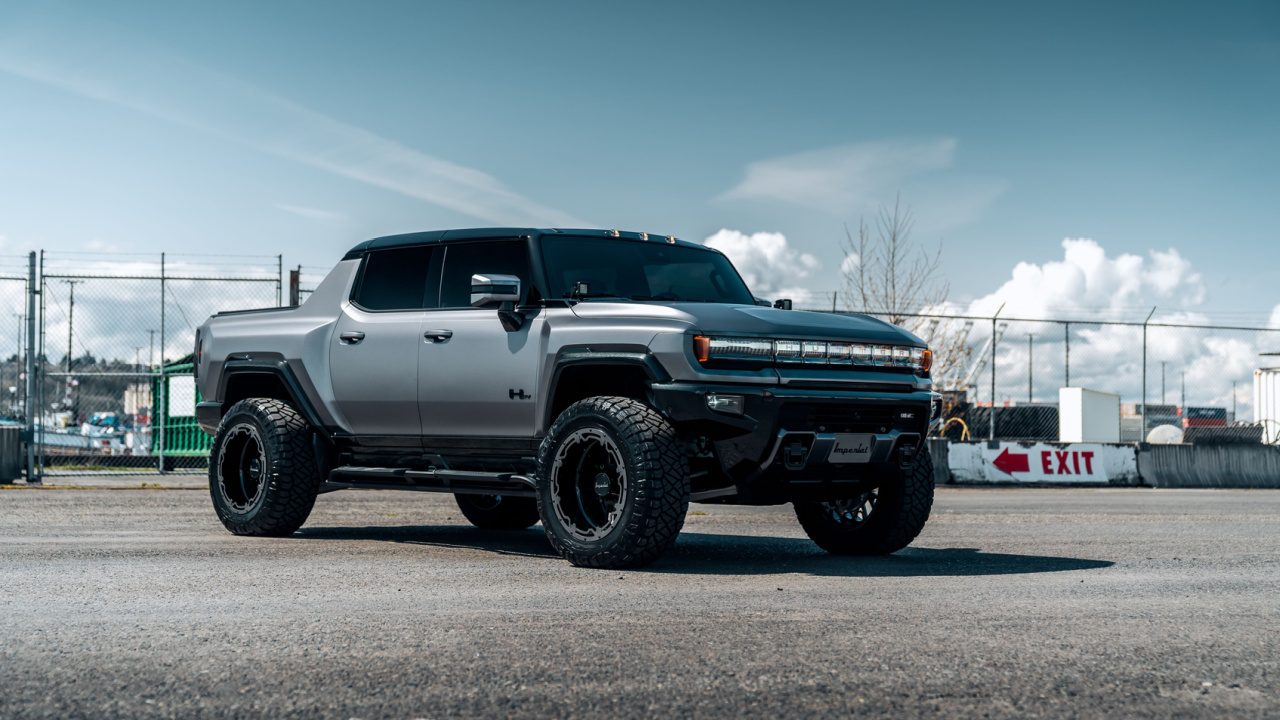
(640, 271)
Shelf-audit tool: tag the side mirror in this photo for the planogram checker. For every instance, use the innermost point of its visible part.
(492, 290)
(780, 304)
(501, 291)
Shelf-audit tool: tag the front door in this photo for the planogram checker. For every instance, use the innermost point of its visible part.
(373, 355)
(476, 380)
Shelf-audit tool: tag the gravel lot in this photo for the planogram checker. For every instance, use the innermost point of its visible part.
(136, 603)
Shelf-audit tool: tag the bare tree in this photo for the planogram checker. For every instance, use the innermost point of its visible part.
(893, 277)
(896, 279)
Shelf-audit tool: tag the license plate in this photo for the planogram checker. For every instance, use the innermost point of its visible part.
(851, 448)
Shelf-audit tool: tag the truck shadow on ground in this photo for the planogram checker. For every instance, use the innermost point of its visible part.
(700, 553)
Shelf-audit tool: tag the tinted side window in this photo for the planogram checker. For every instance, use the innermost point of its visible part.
(463, 261)
(395, 279)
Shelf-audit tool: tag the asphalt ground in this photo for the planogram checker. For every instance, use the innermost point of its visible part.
(133, 602)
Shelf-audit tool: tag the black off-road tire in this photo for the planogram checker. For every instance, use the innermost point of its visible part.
(263, 474)
(498, 512)
(900, 509)
(647, 502)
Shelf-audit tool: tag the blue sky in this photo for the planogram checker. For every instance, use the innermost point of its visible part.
(305, 127)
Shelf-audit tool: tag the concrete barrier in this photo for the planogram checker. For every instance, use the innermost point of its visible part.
(1042, 463)
(1209, 466)
(938, 449)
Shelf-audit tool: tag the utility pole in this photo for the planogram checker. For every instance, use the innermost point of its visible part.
(71, 318)
(1184, 393)
(1233, 401)
(137, 356)
(151, 358)
(1030, 355)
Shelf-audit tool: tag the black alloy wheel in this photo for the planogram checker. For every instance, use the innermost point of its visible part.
(879, 521)
(498, 512)
(242, 460)
(588, 484)
(612, 483)
(263, 471)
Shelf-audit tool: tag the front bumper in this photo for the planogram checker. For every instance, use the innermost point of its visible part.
(787, 438)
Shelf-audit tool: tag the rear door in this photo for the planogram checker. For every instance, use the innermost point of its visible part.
(475, 379)
(373, 355)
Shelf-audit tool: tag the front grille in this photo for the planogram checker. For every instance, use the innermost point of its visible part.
(836, 418)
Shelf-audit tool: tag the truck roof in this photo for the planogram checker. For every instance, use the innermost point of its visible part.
(435, 236)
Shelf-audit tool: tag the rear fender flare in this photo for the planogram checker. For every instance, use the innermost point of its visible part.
(282, 372)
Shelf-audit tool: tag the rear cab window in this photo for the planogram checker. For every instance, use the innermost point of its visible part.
(396, 279)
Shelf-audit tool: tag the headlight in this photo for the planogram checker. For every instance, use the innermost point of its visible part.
(722, 348)
(762, 352)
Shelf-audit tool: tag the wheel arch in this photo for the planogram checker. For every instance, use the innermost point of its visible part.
(581, 373)
(268, 379)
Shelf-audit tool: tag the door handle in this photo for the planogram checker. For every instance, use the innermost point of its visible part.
(351, 338)
(437, 335)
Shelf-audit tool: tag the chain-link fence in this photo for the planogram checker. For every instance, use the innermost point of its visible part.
(113, 389)
(13, 338)
(115, 386)
(1198, 379)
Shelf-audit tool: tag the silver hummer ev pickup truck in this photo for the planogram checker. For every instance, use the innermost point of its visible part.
(594, 381)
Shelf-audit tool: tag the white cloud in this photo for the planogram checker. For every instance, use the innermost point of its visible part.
(771, 267)
(858, 178)
(102, 61)
(311, 213)
(850, 263)
(1088, 284)
(1275, 318)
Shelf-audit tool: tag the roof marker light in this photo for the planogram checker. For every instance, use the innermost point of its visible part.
(611, 233)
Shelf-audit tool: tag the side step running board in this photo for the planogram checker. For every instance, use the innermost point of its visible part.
(447, 481)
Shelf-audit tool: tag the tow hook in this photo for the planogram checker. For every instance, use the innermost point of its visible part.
(906, 455)
(794, 456)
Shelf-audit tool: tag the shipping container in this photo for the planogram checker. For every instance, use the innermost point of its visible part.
(1205, 413)
(1204, 422)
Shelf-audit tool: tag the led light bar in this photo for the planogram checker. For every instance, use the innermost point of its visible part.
(761, 352)
(728, 348)
(815, 353)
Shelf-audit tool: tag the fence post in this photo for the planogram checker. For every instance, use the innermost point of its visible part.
(29, 406)
(1066, 335)
(295, 287)
(40, 374)
(991, 433)
(1142, 432)
(160, 411)
(280, 280)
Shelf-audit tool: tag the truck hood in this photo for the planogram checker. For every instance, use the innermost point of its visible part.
(717, 319)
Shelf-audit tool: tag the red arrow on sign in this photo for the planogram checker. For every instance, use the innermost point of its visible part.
(1009, 463)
